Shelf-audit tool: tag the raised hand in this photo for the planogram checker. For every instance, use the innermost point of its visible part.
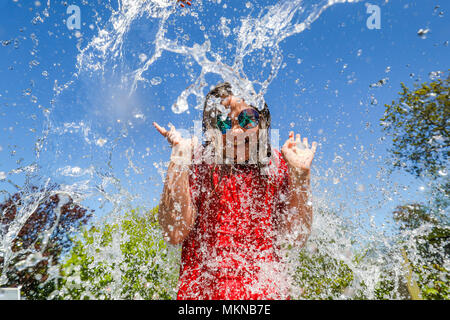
(297, 154)
(181, 147)
(172, 136)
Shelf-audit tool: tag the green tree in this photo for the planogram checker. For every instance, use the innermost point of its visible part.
(39, 223)
(429, 244)
(321, 268)
(419, 125)
(127, 259)
(321, 276)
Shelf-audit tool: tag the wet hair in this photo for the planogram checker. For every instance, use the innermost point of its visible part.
(209, 121)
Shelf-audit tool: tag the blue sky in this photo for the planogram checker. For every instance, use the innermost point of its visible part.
(323, 91)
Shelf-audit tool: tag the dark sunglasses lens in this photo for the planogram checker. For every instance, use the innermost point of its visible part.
(223, 124)
(248, 119)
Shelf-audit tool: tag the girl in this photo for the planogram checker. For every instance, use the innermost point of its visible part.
(230, 215)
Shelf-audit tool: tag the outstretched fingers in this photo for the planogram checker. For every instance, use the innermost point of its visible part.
(171, 135)
(294, 141)
(160, 129)
(314, 147)
(305, 142)
(291, 141)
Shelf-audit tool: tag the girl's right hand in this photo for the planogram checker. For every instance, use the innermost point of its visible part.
(173, 136)
(181, 147)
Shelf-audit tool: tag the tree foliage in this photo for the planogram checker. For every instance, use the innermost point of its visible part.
(127, 259)
(429, 245)
(321, 276)
(419, 125)
(38, 223)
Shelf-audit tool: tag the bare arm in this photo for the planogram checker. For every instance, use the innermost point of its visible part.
(299, 218)
(176, 213)
(297, 221)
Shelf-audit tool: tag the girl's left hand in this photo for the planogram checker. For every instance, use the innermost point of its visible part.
(298, 157)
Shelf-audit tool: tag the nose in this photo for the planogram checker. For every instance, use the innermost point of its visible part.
(236, 128)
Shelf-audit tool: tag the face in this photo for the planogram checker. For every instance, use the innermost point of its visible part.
(235, 136)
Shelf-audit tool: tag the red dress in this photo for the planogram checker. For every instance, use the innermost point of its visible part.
(231, 252)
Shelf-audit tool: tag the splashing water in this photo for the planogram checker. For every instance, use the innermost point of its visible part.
(96, 131)
(260, 36)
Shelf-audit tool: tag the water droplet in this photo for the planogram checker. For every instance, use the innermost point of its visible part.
(142, 57)
(433, 75)
(423, 33)
(34, 63)
(379, 83)
(101, 142)
(224, 26)
(155, 81)
(180, 106)
(373, 101)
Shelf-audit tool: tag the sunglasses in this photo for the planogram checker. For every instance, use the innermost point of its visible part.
(247, 119)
